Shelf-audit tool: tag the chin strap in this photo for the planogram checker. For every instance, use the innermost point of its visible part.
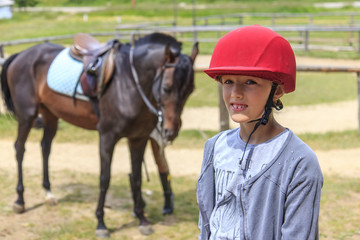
(263, 120)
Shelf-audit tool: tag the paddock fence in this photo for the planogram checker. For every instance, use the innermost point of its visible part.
(305, 37)
(273, 19)
(301, 37)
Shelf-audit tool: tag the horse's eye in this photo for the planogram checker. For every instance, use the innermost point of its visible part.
(166, 90)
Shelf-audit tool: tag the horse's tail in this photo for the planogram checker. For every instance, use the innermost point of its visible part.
(5, 86)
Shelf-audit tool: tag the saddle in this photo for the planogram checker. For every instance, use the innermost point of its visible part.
(98, 60)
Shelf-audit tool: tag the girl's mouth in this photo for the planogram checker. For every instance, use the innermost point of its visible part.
(238, 107)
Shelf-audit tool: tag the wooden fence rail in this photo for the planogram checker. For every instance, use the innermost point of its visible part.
(274, 17)
(126, 32)
(303, 39)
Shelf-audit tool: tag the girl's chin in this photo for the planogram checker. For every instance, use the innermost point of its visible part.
(239, 119)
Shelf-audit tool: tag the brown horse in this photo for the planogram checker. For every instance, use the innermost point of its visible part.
(164, 75)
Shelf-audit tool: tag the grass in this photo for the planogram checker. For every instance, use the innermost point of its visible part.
(161, 10)
(332, 140)
(73, 217)
(311, 88)
(317, 88)
(66, 132)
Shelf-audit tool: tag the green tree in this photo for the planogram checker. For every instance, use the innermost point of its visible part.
(26, 3)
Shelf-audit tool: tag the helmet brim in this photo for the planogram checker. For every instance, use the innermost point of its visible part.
(264, 73)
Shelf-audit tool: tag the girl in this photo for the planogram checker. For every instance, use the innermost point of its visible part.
(258, 181)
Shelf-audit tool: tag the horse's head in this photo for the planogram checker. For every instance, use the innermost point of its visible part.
(176, 86)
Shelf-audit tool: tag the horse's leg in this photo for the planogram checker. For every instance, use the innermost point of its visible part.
(107, 144)
(24, 127)
(50, 124)
(165, 178)
(137, 149)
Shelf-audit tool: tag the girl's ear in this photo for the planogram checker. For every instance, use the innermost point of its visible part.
(279, 92)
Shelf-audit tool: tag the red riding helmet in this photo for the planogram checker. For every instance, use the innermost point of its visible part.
(255, 51)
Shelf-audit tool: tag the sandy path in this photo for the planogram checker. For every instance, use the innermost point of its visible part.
(202, 61)
(84, 158)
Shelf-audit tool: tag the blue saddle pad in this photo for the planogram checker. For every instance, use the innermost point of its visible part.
(63, 74)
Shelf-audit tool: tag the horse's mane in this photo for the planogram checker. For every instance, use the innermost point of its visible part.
(160, 38)
(184, 75)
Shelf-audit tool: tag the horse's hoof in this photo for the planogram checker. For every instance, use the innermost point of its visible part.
(102, 233)
(169, 204)
(167, 211)
(146, 230)
(50, 199)
(18, 208)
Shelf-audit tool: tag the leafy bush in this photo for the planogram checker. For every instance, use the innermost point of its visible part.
(26, 3)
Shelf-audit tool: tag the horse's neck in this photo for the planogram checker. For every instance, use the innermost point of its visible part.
(150, 56)
(148, 60)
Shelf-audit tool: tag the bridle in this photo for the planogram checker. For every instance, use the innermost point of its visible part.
(159, 77)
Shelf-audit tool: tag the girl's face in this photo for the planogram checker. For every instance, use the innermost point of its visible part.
(245, 96)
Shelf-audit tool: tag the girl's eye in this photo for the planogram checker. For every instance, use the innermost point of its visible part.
(228, 82)
(250, 82)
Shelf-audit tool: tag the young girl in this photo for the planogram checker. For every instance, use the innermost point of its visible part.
(258, 181)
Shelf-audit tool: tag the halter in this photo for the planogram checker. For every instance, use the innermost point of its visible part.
(158, 112)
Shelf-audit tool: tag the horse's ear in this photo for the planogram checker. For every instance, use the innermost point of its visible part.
(169, 55)
(195, 52)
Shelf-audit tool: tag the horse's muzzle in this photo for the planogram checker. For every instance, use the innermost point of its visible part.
(170, 135)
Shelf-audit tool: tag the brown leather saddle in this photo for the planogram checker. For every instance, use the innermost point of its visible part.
(99, 62)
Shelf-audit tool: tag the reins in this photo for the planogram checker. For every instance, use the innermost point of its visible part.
(158, 112)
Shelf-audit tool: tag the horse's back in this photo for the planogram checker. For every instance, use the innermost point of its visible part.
(28, 62)
(30, 66)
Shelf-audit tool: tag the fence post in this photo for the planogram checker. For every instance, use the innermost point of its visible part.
(273, 20)
(351, 24)
(306, 46)
(224, 115)
(2, 51)
(358, 42)
(358, 85)
(195, 34)
(300, 37)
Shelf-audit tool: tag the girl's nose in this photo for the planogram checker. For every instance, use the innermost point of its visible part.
(237, 90)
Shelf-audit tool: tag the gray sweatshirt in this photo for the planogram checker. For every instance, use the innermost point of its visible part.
(280, 202)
